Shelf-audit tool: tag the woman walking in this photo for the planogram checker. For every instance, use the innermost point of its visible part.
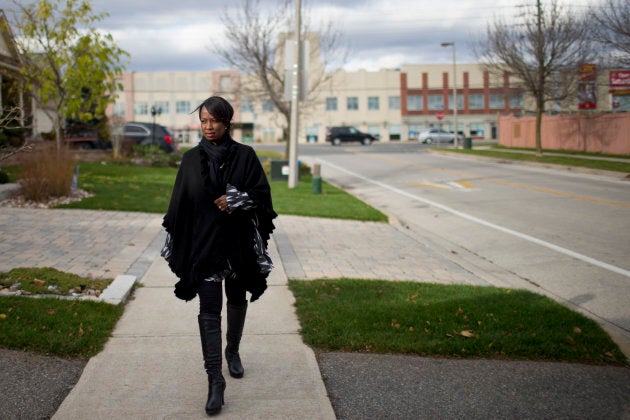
(218, 223)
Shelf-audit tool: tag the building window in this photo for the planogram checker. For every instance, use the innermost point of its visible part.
(414, 103)
(436, 102)
(394, 103)
(475, 101)
(373, 104)
(247, 106)
(119, 109)
(331, 104)
(182, 107)
(414, 131)
(394, 132)
(460, 101)
(476, 129)
(516, 100)
(311, 134)
(496, 101)
(267, 105)
(374, 130)
(620, 102)
(352, 103)
(225, 83)
(141, 108)
(163, 106)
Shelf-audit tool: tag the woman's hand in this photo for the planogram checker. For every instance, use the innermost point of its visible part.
(222, 203)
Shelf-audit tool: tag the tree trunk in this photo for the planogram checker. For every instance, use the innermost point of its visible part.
(539, 114)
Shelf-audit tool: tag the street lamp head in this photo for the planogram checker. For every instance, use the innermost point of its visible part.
(447, 44)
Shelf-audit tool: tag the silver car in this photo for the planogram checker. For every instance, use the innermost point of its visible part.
(437, 135)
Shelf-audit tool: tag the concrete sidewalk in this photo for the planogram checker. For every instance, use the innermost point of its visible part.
(152, 367)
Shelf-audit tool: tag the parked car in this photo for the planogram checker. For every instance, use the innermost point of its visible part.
(436, 135)
(142, 133)
(85, 137)
(338, 135)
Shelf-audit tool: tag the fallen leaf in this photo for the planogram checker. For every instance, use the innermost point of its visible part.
(570, 340)
(3, 316)
(80, 332)
(467, 333)
(577, 330)
(459, 311)
(411, 329)
(51, 311)
(39, 282)
(448, 335)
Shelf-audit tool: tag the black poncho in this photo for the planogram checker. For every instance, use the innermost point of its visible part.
(203, 238)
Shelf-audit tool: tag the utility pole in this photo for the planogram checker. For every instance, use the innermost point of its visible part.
(456, 135)
(295, 99)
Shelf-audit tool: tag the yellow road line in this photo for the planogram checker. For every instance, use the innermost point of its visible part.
(425, 185)
(559, 193)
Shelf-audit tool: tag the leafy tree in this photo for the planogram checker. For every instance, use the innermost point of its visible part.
(255, 46)
(612, 29)
(68, 65)
(544, 53)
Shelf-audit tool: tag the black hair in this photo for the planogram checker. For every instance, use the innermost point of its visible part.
(219, 108)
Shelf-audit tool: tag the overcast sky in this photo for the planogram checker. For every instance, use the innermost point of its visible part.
(176, 35)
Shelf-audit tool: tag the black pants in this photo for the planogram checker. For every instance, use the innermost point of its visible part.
(211, 296)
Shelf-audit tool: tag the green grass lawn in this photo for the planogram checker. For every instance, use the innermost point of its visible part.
(148, 189)
(50, 325)
(446, 320)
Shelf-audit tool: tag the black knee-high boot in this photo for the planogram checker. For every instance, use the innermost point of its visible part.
(235, 323)
(210, 332)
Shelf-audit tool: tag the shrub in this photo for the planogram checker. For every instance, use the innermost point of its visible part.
(4, 177)
(153, 155)
(46, 174)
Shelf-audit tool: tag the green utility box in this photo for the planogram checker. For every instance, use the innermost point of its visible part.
(467, 143)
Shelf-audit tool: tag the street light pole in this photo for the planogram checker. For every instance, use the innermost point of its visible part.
(452, 44)
(295, 99)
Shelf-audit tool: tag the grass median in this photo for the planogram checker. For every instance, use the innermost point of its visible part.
(568, 158)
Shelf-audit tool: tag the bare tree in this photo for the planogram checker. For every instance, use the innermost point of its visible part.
(611, 28)
(544, 53)
(7, 118)
(255, 46)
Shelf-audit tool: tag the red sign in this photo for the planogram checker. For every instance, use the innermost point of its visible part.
(619, 79)
(439, 115)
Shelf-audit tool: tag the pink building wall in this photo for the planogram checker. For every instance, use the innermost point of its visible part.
(596, 133)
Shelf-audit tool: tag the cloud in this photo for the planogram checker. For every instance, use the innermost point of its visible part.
(167, 35)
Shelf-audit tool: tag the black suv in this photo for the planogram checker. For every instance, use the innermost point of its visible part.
(338, 135)
(148, 133)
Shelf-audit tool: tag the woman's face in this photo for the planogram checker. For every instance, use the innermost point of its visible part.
(211, 128)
